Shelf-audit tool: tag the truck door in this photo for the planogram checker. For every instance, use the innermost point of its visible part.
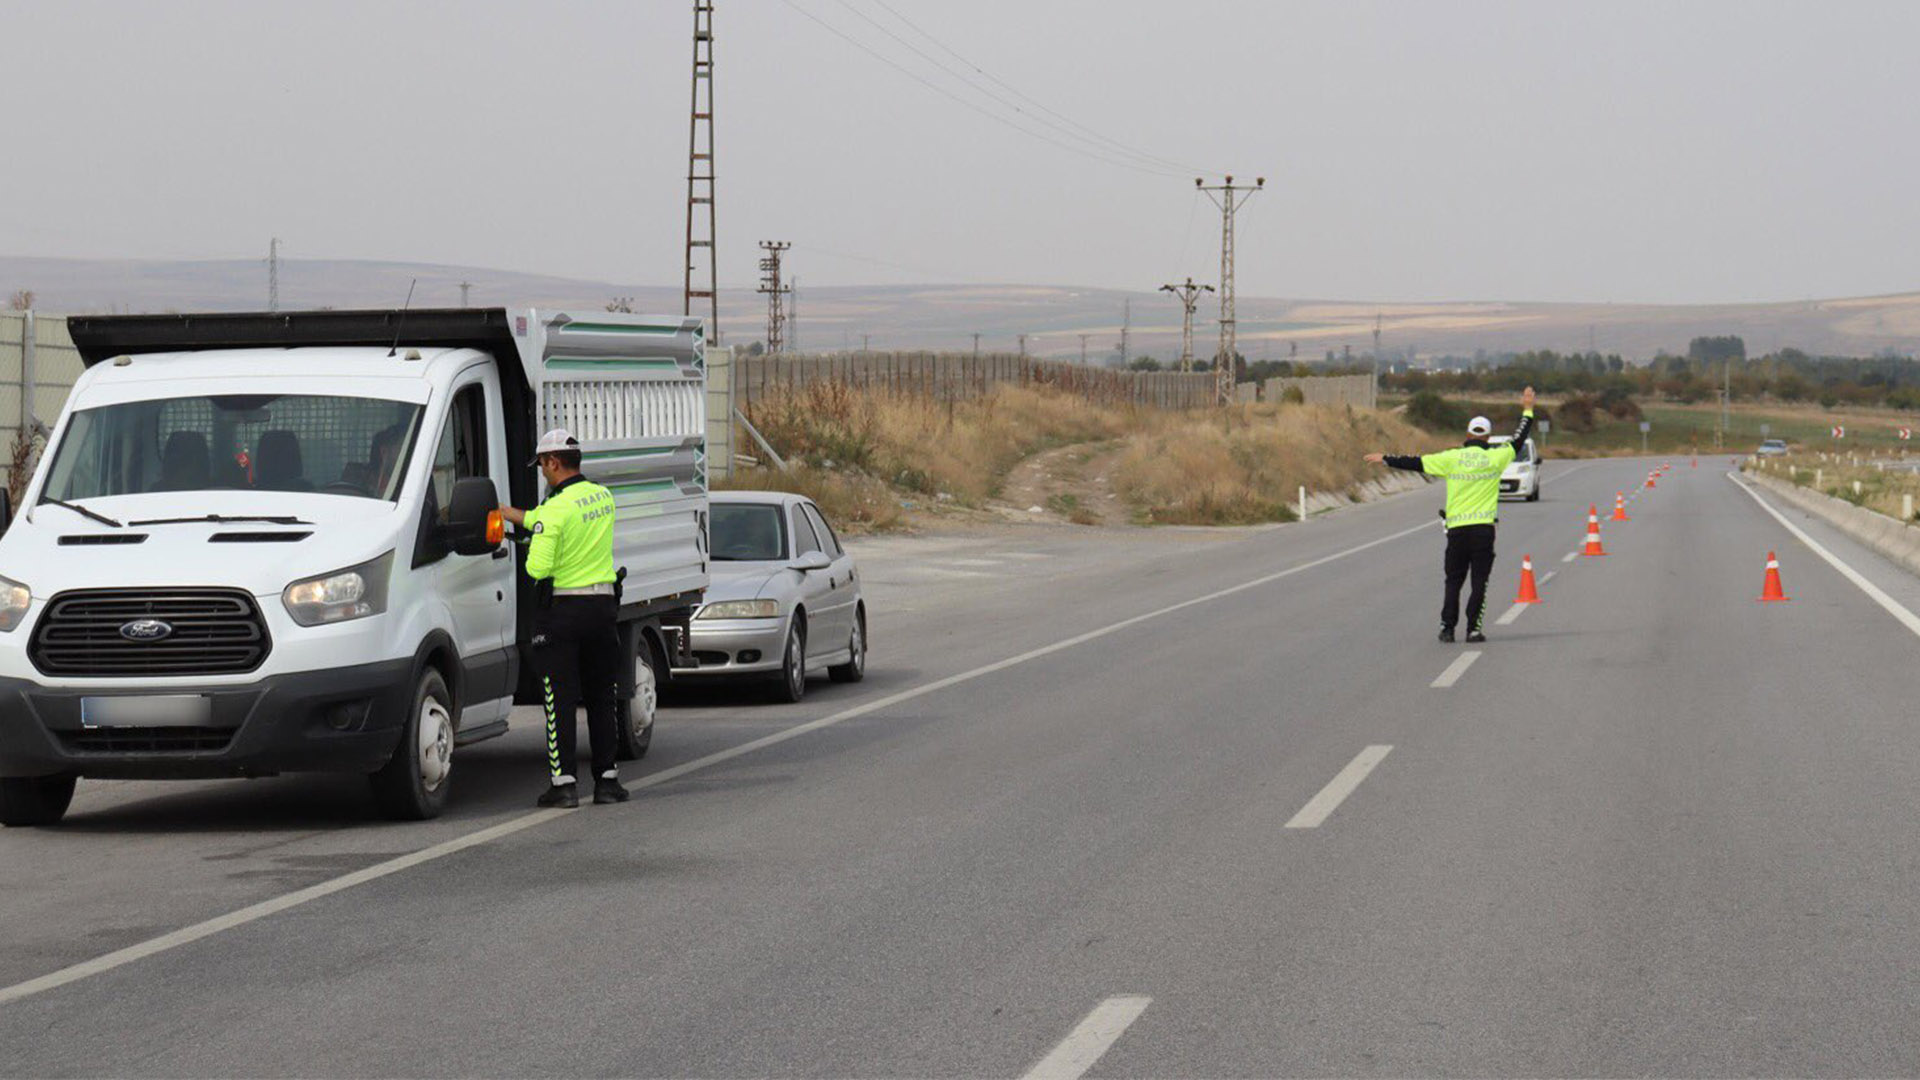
(477, 589)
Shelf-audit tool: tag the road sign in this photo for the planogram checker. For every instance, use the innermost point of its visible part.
(1839, 431)
(1766, 430)
(1906, 433)
(1645, 427)
(1546, 426)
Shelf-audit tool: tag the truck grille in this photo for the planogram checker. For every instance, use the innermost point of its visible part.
(190, 740)
(214, 632)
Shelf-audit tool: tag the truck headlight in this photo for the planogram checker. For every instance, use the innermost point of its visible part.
(353, 593)
(15, 598)
(741, 609)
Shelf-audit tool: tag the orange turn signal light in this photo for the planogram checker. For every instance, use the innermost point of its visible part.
(496, 528)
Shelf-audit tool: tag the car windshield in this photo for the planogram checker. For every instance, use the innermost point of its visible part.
(748, 532)
(236, 442)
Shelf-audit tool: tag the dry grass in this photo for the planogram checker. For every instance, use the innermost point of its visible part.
(963, 450)
(853, 503)
(1881, 490)
(1246, 465)
(1240, 466)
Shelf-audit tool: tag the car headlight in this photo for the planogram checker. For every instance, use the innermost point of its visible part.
(741, 609)
(15, 598)
(353, 593)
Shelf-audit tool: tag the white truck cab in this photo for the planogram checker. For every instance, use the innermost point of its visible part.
(270, 543)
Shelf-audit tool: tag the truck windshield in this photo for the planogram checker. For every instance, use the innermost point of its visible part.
(745, 532)
(236, 442)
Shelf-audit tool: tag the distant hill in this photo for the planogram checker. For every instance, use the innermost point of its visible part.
(947, 316)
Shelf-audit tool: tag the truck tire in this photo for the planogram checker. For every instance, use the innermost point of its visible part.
(413, 785)
(855, 668)
(791, 684)
(633, 718)
(35, 800)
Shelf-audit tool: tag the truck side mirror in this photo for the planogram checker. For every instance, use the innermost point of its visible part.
(6, 509)
(473, 524)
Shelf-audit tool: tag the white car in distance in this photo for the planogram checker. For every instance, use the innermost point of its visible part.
(1521, 480)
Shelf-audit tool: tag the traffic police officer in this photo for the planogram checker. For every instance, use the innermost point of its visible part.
(1472, 473)
(576, 642)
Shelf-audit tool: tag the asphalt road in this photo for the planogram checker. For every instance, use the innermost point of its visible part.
(1161, 803)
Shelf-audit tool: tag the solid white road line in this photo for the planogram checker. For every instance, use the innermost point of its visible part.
(1090, 1040)
(1457, 668)
(1506, 619)
(1337, 789)
(1893, 607)
(255, 912)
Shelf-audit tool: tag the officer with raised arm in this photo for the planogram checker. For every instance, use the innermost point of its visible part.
(1472, 473)
(576, 639)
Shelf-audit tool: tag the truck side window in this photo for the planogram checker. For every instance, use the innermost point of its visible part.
(828, 542)
(463, 445)
(803, 538)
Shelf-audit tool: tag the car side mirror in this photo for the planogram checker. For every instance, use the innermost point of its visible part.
(811, 561)
(474, 525)
(6, 509)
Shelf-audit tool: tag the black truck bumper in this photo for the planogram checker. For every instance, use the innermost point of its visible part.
(343, 720)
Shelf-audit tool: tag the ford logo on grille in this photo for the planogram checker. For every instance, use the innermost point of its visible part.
(145, 630)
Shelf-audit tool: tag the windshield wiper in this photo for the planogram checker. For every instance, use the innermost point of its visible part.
(222, 519)
(83, 512)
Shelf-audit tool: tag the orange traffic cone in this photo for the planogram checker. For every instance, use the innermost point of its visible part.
(1696, 462)
(1650, 477)
(1593, 533)
(1771, 592)
(1528, 594)
(1619, 507)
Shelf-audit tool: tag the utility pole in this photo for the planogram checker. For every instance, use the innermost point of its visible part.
(703, 276)
(866, 343)
(273, 274)
(775, 293)
(1375, 391)
(1126, 327)
(1189, 295)
(793, 315)
(1228, 198)
(1023, 346)
(976, 346)
(1083, 349)
(465, 286)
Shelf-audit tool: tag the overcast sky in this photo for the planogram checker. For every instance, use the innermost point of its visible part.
(1419, 150)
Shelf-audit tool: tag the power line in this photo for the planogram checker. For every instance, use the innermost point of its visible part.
(950, 95)
(1091, 137)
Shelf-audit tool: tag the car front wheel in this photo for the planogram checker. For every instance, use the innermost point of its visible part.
(792, 684)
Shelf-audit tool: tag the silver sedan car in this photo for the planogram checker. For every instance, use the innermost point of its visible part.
(785, 598)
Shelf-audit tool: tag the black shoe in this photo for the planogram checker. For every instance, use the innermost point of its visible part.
(560, 797)
(1446, 634)
(1475, 637)
(607, 790)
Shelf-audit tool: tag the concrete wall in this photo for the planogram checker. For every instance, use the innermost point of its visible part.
(1354, 390)
(1895, 539)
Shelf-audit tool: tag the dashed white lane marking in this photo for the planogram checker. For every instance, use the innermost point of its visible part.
(254, 912)
(1457, 668)
(1341, 786)
(1088, 1042)
(1893, 607)
(1570, 556)
(1506, 619)
(1548, 576)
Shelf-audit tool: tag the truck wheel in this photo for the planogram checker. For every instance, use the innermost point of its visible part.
(634, 719)
(413, 786)
(791, 686)
(855, 668)
(35, 800)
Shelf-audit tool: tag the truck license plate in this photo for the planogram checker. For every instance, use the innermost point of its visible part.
(164, 710)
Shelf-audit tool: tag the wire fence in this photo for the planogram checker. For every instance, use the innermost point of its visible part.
(962, 376)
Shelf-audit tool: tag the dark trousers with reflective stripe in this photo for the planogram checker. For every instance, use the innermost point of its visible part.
(1469, 553)
(576, 649)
